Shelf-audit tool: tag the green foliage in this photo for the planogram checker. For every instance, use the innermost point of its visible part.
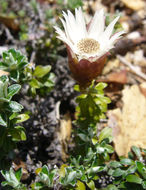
(9, 118)
(91, 104)
(91, 107)
(81, 171)
(13, 179)
(3, 6)
(91, 151)
(70, 4)
(34, 6)
(23, 34)
(128, 173)
(14, 63)
(74, 4)
(46, 177)
(39, 78)
(6, 94)
(91, 158)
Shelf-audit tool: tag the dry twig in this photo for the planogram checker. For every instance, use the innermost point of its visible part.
(135, 69)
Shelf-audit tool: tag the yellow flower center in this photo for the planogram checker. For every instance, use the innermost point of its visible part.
(88, 45)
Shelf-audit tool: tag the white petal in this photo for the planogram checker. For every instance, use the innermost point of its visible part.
(72, 20)
(76, 28)
(66, 41)
(97, 25)
(72, 28)
(62, 36)
(65, 28)
(104, 38)
(106, 45)
(115, 37)
(69, 27)
(59, 31)
(108, 32)
(80, 21)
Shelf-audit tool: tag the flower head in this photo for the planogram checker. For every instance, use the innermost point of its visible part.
(87, 45)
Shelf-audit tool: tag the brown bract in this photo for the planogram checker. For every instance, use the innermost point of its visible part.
(84, 71)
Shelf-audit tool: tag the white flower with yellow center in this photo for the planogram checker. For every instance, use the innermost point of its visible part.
(89, 41)
(87, 45)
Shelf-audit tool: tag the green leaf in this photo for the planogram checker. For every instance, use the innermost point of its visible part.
(133, 179)
(4, 183)
(144, 184)
(14, 75)
(94, 140)
(101, 86)
(49, 84)
(141, 169)
(110, 171)
(130, 170)
(10, 178)
(137, 151)
(2, 121)
(14, 63)
(4, 79)
(115, 164)
(111, 187)
(35, 84)
(15, 58)
(22, 64)
(126, 161)
(18, 174)
(118, 172)
(3, 86)
(71, 177)
(18, 133)
(21, 118)
(4, 100)
(74, 4)
(14, 106)
(99, 149)
(3, 66)
(45, 170)
(91, 185)
(77, 88)
(12, 90)
(106, 156)
(84, 137)
(96, 169)
(51, 177)
(37, 186)
(109, 148)
(122, 185)
(105, 133)
(41, 71)
(80, 186)
(13, 115)
(33, 90)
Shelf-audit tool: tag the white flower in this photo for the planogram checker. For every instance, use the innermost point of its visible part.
(92, 41)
